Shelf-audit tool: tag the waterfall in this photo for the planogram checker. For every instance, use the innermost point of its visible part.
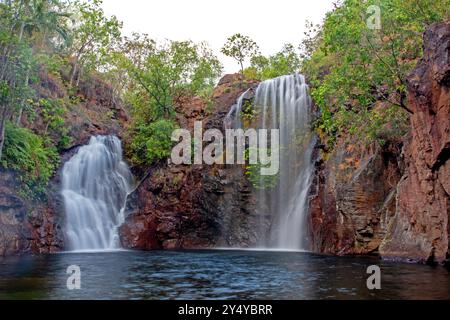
(95, 185)
(282, 103)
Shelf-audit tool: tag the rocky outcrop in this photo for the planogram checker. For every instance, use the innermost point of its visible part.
(353, 199)
(91, 109)
(13, 213)
(420, 227)
(35, 226)
(25, 225)
(193, 206)
(393, 200)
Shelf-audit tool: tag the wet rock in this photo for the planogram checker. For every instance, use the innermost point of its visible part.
(353, 199)
(139, 232)
(36, 225)
(196, 206)
(25, 225)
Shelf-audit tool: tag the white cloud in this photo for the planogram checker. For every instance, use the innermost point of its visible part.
(270, 23)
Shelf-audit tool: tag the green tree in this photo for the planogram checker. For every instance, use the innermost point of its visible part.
(158, 76)
(152, 141)
(19, 21)
(353, 66)
(240, 48)
(287, 61)
(44, 16)
(94, 36)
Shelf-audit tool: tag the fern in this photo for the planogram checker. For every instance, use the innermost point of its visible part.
(27, 154)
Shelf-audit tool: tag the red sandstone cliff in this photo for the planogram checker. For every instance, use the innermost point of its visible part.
(391, 200)
(36, 226)
(420, 227)
(387, 201)
(197, 206)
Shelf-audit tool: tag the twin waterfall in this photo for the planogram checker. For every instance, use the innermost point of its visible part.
(283, 103)
(96, 181)
(95, 185)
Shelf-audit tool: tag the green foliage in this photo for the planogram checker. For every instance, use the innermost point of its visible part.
(4, 92)
(52, 63)
(52, 112)
(240, 47)
(159, 77)
(45, 17)
(253, 174)
(287, 61)
(28, 154)
(32, 33)
(248, 111)
(94, 35)
(152, 142)
(358, 74)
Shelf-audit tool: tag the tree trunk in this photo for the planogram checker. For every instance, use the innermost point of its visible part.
(79, 75)
(44, 38)
(5, 61)
(22, 28)
(74, 72)
(77, 61)
(241, 82)
(2, 129)
(19, 117)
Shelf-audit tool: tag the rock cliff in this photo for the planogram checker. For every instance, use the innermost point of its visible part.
(194, 206)
(394, 200)
(420, 227)
(391, 200)
(35, 226)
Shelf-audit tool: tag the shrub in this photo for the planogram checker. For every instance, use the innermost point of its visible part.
(27, 153)
(152, 142)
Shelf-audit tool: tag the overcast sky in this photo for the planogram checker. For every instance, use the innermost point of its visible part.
(270, 23)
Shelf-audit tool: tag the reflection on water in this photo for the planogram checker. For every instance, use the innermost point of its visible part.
(215, 275)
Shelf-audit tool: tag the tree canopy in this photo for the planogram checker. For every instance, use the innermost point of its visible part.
(353, 67)
(287, 61)
(240, 47)
(356, 64)
(158, 76)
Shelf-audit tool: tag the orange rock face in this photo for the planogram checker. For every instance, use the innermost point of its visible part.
(386, 200)
(420, 229)
(353, 199)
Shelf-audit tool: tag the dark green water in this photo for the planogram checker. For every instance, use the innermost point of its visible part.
(216, 275)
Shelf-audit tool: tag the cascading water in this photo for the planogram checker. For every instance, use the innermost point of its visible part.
(283, 103)
(95, 185)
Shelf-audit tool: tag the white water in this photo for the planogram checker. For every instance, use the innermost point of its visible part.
(95, 185)
(284, 103)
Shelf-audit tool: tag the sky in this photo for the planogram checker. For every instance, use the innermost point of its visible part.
(270, 23)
